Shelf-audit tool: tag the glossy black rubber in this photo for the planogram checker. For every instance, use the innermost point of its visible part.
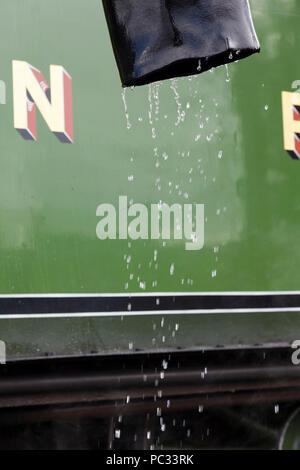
(159, 39)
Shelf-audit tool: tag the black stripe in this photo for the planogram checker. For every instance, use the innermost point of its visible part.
(48, 305)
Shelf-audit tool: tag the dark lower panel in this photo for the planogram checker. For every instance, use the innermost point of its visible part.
(238, 398)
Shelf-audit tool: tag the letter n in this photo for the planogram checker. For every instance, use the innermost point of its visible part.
(291, 123)
(31, 91)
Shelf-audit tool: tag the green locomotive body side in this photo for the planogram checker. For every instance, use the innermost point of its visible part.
(214, 139)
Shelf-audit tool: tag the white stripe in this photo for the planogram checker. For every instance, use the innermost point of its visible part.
(151, 294)
(150, 312)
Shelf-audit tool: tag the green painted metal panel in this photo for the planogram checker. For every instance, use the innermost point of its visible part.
(213, 139)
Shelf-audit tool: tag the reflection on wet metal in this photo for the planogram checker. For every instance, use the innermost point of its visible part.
(2, 352)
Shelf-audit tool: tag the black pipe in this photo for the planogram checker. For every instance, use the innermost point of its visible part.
(159, 39)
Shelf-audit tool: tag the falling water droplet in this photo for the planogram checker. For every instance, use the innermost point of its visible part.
(227, 73)
(126, 108)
